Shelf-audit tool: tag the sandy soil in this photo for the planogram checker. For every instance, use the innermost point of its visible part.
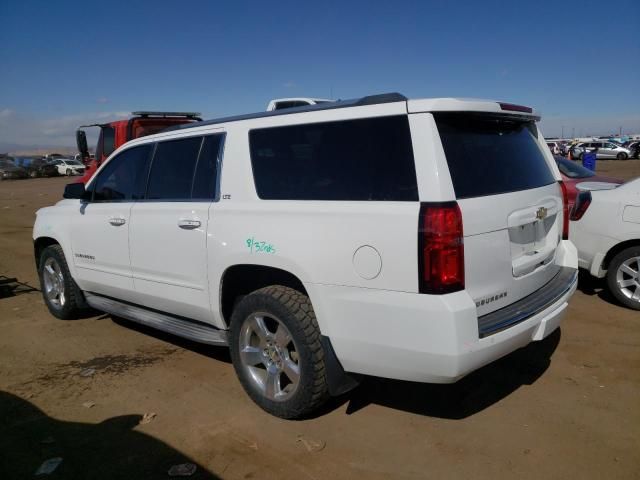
(565, 407)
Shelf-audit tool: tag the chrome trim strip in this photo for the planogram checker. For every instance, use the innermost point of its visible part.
(529, 306)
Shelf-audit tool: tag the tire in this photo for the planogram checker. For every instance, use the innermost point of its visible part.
(264, 354)
(621, 156)
(33, 174)
(61, 294)
(580, 156)
(68, 172)
(623, 277)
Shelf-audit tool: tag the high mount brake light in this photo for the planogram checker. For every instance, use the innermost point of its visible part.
(582, 203)
(440, 248)
(565, 211)
(515, 108)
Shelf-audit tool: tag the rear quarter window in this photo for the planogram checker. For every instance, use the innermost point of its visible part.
(489, 155)
(366, 159)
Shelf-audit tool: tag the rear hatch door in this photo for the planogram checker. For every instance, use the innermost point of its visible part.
(511, 205)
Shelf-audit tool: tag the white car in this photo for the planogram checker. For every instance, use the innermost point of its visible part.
(605, 228)
(68, 166)
(410, 239)
(602, 149)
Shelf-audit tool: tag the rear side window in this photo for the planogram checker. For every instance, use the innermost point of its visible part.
(185, 169)
(205, 179)
(367, 159)
(489, 155)
(172, 169)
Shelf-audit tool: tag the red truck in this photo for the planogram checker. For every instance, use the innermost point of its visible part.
(114, 134)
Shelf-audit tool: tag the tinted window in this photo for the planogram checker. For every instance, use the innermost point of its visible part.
(172, 169)
(124, 177)
(488, 155)
(369, 159)
(204, 181)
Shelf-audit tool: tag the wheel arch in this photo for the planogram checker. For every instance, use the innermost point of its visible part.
(39, 244)
(241, 279)
(613, 251)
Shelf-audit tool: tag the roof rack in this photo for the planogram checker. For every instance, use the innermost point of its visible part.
(356, 102)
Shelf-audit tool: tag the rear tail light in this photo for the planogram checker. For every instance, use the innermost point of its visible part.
(440, 248)
(582, 203)
(565, 211)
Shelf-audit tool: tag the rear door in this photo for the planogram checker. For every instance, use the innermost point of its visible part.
(511, 205)
(168, 233)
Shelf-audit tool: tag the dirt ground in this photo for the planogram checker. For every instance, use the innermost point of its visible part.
(567, 407)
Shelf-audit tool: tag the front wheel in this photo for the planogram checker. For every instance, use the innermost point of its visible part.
(60, 292)
(68, 172)
(623, 277)
(621, 156)
(276, 351)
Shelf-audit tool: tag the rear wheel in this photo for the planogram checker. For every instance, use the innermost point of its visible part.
(276, 351)
(623, 277)
(621, 156)
(68, 172)
(580, 156)
(61, 294)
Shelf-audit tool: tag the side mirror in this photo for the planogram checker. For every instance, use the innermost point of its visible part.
(75, 191)
(81, 140)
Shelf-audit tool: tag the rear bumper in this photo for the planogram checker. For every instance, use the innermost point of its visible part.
(424, 338)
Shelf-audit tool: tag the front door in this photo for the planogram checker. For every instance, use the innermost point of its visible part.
(100, 227)
(168, 232)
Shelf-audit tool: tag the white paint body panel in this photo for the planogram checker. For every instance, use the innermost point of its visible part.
(612, 218)
(367, 303)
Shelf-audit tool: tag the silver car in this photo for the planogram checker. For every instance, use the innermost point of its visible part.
(602, 149)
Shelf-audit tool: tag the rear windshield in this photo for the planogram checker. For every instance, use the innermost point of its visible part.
(488, 154)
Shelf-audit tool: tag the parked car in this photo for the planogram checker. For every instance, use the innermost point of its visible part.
(557, 148)
(408, 239)
(68, 166)
(8, 170)
(601, 149)
(573, 173)
(633, 147)
(42, 168)
(605, 228)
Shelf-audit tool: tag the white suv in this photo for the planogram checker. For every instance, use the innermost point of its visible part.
(408, 239)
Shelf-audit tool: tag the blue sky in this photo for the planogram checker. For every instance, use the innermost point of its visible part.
(66, 63)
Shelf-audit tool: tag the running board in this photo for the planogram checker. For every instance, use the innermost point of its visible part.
(189, 329)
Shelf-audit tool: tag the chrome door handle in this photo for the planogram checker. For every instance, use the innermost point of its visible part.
(117, 221)
(189, 223)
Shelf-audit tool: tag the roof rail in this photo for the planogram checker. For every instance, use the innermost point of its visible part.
(167, 114)
(356, 102)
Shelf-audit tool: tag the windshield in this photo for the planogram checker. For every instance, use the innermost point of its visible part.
(73, 162)
(571, 169)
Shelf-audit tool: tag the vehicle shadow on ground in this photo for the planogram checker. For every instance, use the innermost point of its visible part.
(11, 287)
(472, 394)
(590, 285)
(107, 450)
(460, 400)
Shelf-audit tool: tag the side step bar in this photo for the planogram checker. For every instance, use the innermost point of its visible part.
(189, 329)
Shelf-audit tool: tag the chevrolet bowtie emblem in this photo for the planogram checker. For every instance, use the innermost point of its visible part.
(541, 213)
